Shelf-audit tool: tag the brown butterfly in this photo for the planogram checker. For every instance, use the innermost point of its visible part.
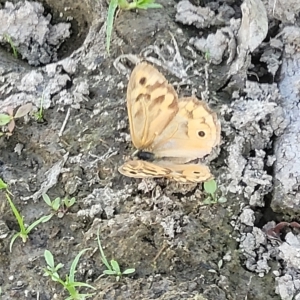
(167, 131)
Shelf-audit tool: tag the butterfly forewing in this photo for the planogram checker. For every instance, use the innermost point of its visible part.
(151, 102)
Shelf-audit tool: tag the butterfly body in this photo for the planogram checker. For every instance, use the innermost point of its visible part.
(145, 155)
(168, 131)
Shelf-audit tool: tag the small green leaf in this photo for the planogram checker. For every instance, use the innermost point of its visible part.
(23, 110)
(222, 199)
(53, 274)
(115, 266)
(56, 204)
(128, 271)
(59, 266)
(70, 202)
(83, 284)
(3, 185)
(210, 187)
(47, 199)
(11, 125)
(49, 258)
(207, 56)
(4, 119)
(154, 5)
(148, 5)
(145, 4)
(109, 272)
(220, 264)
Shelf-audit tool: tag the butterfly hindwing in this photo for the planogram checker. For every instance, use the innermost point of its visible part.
(192, 133)
(184, 173)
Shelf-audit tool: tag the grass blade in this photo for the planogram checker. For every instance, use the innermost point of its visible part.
(74, 265)
(16, 213)
(42, 219)
(113, 4)
(102, 255)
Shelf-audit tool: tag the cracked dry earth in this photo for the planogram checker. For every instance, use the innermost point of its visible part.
(243, 57)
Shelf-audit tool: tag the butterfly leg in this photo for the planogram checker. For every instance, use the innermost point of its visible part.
(174, 66)
(120, 67)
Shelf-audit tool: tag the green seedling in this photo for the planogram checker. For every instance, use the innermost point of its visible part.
(60, 206)
(4, 186)
(70, 285)
(138, 4)
(55, 204)
(207, 55)
(113, 267)
(12, 46)
(68, 202)
(210, 187)
(124, 5)
(9, 118)
(39, 115)
(24, 230)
